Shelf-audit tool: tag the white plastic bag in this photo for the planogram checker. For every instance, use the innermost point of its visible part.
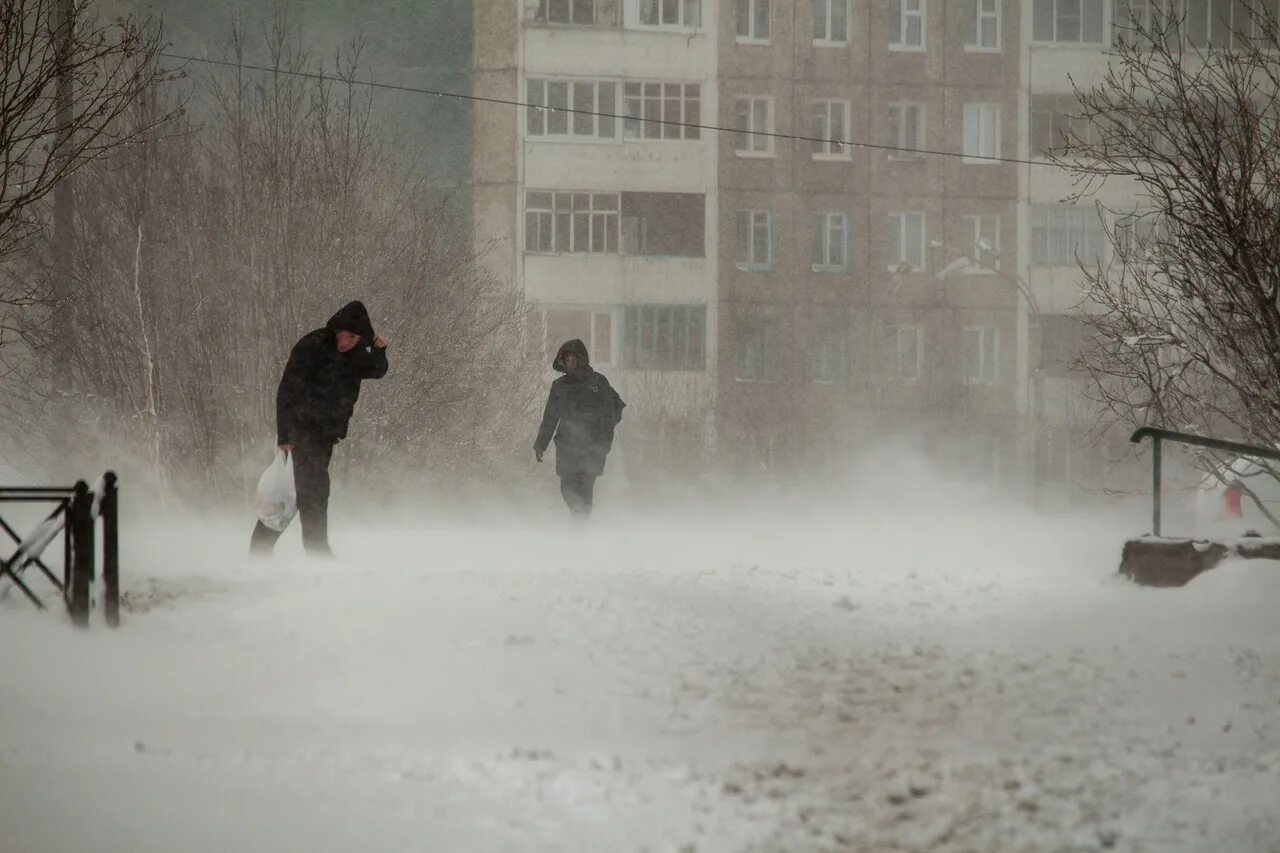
(277, 499)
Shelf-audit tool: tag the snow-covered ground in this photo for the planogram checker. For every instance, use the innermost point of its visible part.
(820, 680)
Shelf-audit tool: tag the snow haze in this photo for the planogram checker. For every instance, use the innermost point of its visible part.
(902, 677)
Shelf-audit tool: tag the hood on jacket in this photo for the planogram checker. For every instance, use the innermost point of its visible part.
(354, 318)
(576, 347)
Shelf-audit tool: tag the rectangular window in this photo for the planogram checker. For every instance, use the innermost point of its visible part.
(1056, 124)
(906, 131)
(830, 22)
(665, 337)
(592, 12)
(571, 222)
(1136, 21)
(980, 353)
(909, 354)
(755, 239)
(830, 130)
(1139, 236)
(830, 241)
(831, 352)
(1063, 236)
(753, 118)
(981, 131)
(757, 349)
(982, 25)
(981, 235)
(1220, 24)
(906, 24)
(594, 328)
(580, 109)
(662, 110)
(906, 241)
(669, 225)
(751, 20)
(1068, 21)
(671, 14)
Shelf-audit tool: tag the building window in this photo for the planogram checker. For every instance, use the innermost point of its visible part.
(982, 25)
(753, 118)
(906, 131)
(1224, 24)
(594, 12)
(751, 20)
(755, 239)
(830, 130)
(1065, 236)
(662, 110)
(1136, 21)
(909, 354)
(906, 24)
(1057, 124)
(682, 14)
(980, 354)
(831, 352)
(665, 337)
(1068, 21)
(981, 235)
(1063, 340)
(757, 350)
(594, 328)
(581, 109)
(571, 222)
(831, 21)
(906, 241)
(830, 242)
(981, 132)
(1139, 237)
(668, 225)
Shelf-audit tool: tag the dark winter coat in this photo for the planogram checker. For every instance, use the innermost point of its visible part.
(320, 385)
(582, 411)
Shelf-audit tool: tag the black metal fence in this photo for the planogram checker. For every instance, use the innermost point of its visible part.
(74, 518)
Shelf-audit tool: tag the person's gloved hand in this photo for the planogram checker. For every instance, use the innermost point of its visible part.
(537, 454)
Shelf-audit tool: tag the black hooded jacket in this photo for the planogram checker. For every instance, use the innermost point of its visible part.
(582, 411)
(320, 385)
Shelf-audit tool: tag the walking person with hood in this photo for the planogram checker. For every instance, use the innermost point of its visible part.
(314, 403)
(582, 412)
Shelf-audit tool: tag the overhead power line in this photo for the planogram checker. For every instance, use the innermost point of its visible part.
(373, 84)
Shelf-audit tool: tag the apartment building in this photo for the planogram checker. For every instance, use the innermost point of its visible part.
(837, 267)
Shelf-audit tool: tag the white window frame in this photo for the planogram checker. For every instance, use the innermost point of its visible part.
(641, 328)
(981, 131)
(986, 13)
(766, 329)
(545, 112)
(988, 372)
(907, 10)
(832, 146)
(898, 141)
(1104, 23)
(828, 15)
(825, 225)
(1056, 218)
(636, 18)
(898, 219)
(749, 264)
(595, 346)
(917, 370)
(752, 7)
(973, 228)
(751, 138)
(597, 218)
(537, 8)
(647, 102)
(828, 336)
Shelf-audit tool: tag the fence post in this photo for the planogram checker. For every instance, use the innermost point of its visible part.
(81, 553)
(110, 551)
(1155, 485)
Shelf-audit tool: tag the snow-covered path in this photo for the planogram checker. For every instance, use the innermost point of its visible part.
(746, 683)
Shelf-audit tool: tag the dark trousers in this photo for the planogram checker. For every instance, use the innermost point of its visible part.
(578, 491)
(311, 480)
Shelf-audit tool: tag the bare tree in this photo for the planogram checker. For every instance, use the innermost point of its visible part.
(206, 254)
(1184, 312)
(55, 54)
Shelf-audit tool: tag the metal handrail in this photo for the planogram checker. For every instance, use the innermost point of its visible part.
(1159, 435)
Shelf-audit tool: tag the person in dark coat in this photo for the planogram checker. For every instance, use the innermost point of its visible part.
(314, 402)
(582, 412)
